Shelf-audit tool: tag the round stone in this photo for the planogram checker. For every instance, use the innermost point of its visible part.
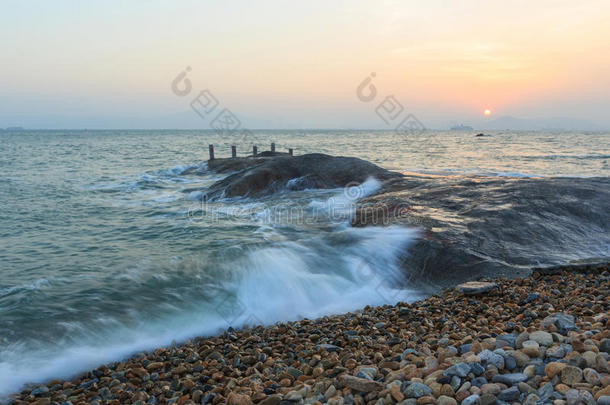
(554, 368)
(571, 375)
(542, 338)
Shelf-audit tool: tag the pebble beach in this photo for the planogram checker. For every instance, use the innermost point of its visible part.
(544, 339)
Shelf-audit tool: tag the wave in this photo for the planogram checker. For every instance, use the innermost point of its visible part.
(340, 271)
(36, 285)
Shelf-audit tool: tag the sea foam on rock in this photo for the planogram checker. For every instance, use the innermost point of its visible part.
(263, 175)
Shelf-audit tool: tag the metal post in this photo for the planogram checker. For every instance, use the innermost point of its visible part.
(234, 151)
(290, 151)
(272, 146)
(254, 151)
(211, 152)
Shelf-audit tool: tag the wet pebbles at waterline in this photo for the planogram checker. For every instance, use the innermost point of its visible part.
(542, 339)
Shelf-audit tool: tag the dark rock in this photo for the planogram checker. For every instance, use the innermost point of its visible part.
(87, 384)
(545, 391)
(510, 363)
(603, 400)
(539, 369)
(43, 389)
(563, 322)
(509, 338)
(464, 348)
(604, 346)
(478, 381)
(294, 372)
(329, 347)
(416, 390)
(363, 374)
(530, 297)
(208, 398)
(477, 368)
(510, 394)
(460, 370)
(472, 400)
(266, 175)
(360, 384)
(509, 379)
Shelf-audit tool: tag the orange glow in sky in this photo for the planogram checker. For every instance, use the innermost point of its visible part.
(299, 66)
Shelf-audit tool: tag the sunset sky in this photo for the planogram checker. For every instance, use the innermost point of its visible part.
(75, 64)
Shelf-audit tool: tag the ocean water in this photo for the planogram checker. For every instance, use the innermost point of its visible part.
(106, 248)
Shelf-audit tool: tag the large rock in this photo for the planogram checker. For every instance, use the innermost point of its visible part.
(266, 175)
(476, 227)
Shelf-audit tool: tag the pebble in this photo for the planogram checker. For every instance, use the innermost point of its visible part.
(557, 352)
(604, 345)
(531, 348)
(591, 376)
(416, 390)
(489, 357)
(605, 400)
(510, 379)
(475, 287)
(542, 338)
(510, 394)
(563, 322)
(460, 370)
(488, 399)
(571, 375)
(554, 368)
(360, 384)
(43, 389)
(472, 400)
(445, 400)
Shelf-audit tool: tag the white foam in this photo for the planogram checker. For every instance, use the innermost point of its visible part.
(36, 285)
(285, 282)
(342, 205)
(292, 279)
(514, 174)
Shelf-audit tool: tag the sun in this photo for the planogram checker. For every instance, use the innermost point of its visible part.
(487, 112)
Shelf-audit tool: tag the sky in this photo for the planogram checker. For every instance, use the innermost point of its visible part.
(279, 64)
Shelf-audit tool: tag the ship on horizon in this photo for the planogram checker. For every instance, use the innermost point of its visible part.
(461, 127)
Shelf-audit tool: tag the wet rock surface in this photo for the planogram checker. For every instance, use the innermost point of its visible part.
(448, 349)
(272, 172)
(475, 226)
(484, 226)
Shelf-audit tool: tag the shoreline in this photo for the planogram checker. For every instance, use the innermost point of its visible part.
(446, 349)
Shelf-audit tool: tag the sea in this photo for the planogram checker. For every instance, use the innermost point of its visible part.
(107, 248)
